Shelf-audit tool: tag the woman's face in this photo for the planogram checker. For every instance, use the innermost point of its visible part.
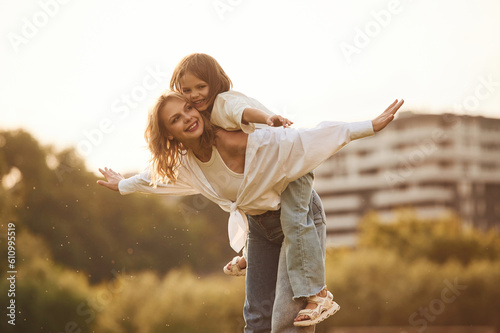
(196, 90)
(182, 121)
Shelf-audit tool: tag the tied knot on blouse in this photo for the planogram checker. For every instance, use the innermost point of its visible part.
(237, 227)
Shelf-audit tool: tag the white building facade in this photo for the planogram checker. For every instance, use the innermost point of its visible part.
(436, 164)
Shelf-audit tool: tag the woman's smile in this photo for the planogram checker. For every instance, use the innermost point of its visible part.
(193, 127)
(182, 121)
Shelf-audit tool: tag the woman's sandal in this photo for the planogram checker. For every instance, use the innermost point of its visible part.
(235, 268)
(324, 309)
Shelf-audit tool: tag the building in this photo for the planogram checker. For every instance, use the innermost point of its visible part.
(435, 163)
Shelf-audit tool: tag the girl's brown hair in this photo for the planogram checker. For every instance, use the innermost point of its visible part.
(205, 68)
(166, 154)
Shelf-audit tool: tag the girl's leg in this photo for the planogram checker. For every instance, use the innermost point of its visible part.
(304, 255)
(285, 309)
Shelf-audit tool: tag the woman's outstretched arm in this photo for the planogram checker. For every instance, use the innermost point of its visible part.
(290, 153)
(387, 116)
(112, 178)
(142, 183)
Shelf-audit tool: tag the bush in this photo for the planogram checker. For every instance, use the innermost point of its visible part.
(437, 240)
(180, 302)
(47, 296)
(379, 288)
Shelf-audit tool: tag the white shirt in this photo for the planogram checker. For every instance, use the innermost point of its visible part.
(228, 111)
(274, 157)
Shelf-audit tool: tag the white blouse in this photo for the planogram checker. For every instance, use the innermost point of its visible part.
(275, 156)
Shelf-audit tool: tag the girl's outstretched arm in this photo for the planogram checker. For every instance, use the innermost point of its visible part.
(387, 116)
(112, 178)
(253, 115)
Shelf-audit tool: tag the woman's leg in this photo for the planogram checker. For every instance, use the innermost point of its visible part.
(263, 247)
(285, 308)
(304, 255)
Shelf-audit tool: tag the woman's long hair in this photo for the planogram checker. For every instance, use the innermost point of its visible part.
(205, 68)
(166, 154)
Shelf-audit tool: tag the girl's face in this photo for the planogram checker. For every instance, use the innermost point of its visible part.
(182, 121)
(196, 90)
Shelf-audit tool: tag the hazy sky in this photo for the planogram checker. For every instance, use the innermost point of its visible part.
(84, 73)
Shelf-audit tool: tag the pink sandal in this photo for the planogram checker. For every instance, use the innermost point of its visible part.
(324, 309)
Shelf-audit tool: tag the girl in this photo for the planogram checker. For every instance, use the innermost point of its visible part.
(179, 139)
(200, 78)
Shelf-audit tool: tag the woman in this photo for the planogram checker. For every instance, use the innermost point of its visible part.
(262, 164)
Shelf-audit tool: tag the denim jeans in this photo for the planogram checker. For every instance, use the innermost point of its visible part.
(269, 303)
(304, 259)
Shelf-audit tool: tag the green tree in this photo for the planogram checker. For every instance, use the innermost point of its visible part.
(91, 229)
(438, 240)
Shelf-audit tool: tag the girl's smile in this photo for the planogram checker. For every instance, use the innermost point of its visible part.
(196, 90)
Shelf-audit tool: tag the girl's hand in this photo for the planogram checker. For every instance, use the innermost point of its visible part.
(387, 116)
(278, 120)
(112, 177)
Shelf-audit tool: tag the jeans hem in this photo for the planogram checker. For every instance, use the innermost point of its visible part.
(308, 295)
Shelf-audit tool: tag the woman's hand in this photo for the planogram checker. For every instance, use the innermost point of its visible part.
(387, 116)
(277, 120)
(112, 177)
